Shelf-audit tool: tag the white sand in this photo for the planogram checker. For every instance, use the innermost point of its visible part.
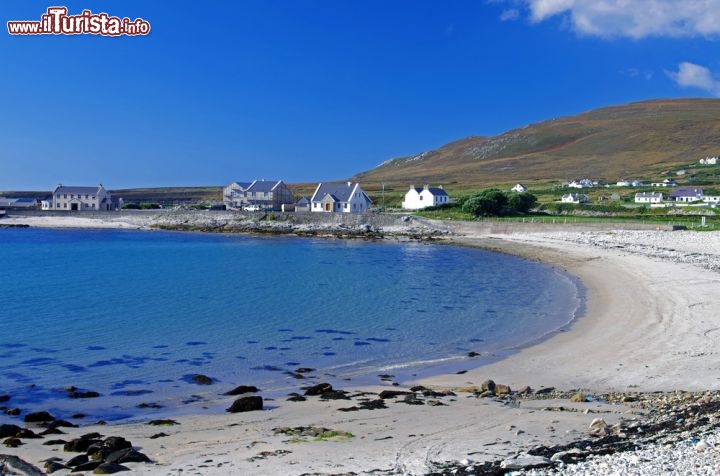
(651, 324)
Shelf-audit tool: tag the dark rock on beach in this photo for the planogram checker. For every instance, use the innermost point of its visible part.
(127, 455)
(39, 417)
(9, 430)
(53, 466)
(4, 398)
(78, 394)
(239, 390)
(110, 468)
(246, 404)
(385, 394)
(318, 389)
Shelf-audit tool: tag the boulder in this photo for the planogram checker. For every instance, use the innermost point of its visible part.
(77, 460)
(201, 379)
(578, 397)
(487, 386)
(78, 394)
(12, 442)
(52, 466)
(115, 443)
(385, 394)
(110, 468)
(246, 404)
(501, 389)
(4, 398)
(80, 445)
(9, 430)
(39, 417)
(318, 389)
(242, 389)
(127, 455)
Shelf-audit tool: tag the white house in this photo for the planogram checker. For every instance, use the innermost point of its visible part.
(81, 199)
(648, 197)
(419, 198)
(574, 198)
(709, 161)
(687, 195)
(712, 199)
(340, 198)
(629, 183)
(519, 188)
(583, 183)
(664, 183)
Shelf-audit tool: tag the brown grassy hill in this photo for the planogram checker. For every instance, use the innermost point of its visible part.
(637, 140)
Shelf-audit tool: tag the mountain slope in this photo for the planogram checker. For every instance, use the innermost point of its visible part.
(635, 140)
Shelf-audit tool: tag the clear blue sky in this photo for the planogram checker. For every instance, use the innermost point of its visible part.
(317, 90)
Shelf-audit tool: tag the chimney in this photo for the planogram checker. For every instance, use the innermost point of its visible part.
(441, 187)
(427, 186)
(349, 184)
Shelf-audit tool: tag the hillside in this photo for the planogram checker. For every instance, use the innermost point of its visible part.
(637, 140)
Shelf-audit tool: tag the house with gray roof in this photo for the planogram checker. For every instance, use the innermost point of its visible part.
(418, 198)
(687, 195)
(265, 194)
(648, 197)
(340, 198)
(71, 198)
(7, 203)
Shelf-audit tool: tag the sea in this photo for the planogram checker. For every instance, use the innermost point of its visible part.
(134, 315)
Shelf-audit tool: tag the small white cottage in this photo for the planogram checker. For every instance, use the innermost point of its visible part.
(519, 188)
(648, 197)
(419, 198)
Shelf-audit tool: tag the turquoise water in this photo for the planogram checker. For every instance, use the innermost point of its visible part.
(133, 315)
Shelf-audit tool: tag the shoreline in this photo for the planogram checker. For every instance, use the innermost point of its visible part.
(662, 342)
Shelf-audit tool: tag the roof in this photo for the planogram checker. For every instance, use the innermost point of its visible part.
(264, 185)
(304, 201)
(438, 192)
(78, 190)
(648, 194)
(243, 185)
(341, 192)
(686, 192)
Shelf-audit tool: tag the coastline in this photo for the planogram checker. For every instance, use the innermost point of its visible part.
(661, 344)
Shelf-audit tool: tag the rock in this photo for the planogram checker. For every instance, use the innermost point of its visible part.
(200, 379)
(501, 389)
(52, 466)
(12, 442)
(525, 462)
(702, 446)
(163, 422)
(9, 430)
(27, 433)
(127, 455)
(89, 466)
(80, 445)
(526, 390)
(318, 389)
(110, 468)
(4, 398)
(304, 370)
(115, 443)
(296, 397)
(39, 417)
(578, 397)
(473, 354)
(246, 404)
(62, 423)
(13, 411)
(335, 395)
(597, 423)
(14, 465)
(76, 394)
(77, 460)
(385, 394)
(242, 389)
(544, 391)
(54, 442)
(488, 386)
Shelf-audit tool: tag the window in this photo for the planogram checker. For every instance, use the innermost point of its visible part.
(347, 205)
(65, 195)
(64, 205)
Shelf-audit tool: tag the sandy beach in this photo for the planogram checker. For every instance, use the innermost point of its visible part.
(651, 324)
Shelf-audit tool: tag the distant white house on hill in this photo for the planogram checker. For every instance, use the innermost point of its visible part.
(340, 198)
(664, 183)
(519, 188)
(582, 183)
(418, 198)
(648, 197)
(67, 198)
(709, 161)
(628, 183)
(574, 198)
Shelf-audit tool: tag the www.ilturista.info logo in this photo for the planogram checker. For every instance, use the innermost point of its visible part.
(57, 22)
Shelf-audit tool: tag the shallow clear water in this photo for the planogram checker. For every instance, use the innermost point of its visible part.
(133, 315)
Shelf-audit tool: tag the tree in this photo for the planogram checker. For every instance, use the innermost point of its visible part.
(486, 203)
(522, 202)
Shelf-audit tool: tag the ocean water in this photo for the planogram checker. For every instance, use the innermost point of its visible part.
(133, 315)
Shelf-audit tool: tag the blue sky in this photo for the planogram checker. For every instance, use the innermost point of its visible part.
(318, 90)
